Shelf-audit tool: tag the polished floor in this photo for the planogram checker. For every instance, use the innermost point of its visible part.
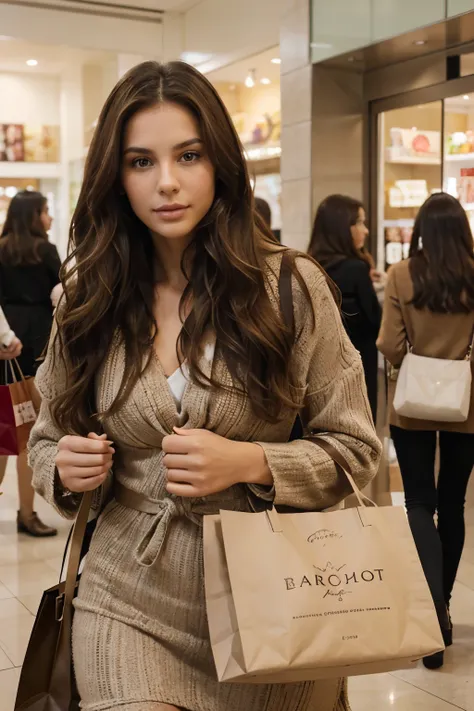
(28, 566)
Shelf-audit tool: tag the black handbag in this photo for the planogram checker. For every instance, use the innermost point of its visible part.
(47, 677)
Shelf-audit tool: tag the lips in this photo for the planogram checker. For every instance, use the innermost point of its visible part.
(175, 207)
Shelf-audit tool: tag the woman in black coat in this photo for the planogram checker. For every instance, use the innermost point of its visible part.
(29, 271)
(337, 243)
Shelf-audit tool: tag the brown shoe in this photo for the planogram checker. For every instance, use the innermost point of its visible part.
(33, 526)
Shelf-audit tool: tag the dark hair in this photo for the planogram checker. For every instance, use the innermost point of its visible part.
(442, 257)
(331, 239)
(109, 281)
(264, 210)
(23, 232)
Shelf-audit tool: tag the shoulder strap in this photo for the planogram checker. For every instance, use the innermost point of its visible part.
(286, 291)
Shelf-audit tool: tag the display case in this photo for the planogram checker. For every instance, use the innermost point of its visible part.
(422, 149)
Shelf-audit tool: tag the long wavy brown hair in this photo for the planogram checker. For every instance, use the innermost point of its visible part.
(23, 232)
(109, 280)
(442, 257)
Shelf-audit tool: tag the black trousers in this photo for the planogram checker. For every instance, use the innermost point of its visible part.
(439, 548)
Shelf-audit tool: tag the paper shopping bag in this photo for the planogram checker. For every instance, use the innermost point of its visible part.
(297, 597)
(19, 406)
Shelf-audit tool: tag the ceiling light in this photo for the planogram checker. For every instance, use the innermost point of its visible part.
(276, 60)
(321, 45)
(419, 43)
(465, 97)
(265, 80)
(32, 62)
(250, 80)
(5, 38)
(232, 87)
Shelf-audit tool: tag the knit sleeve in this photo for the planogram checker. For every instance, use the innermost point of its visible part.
(335, 404)
(43, 444)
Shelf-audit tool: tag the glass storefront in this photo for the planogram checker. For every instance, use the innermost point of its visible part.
(410, 169)
(422, 149)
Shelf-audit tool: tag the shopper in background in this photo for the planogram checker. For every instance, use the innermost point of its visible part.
(264, 210)
(171, 342)
(429, 306)
(337, 243)
(29, 270)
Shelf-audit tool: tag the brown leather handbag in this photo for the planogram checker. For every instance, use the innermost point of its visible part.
(47, 677)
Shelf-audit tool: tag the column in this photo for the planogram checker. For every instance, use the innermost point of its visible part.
(296, 92)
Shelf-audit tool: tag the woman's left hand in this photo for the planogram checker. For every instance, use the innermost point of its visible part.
(11, 351)
(201, 463)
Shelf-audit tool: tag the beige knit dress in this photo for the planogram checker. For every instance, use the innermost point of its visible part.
(140, 632)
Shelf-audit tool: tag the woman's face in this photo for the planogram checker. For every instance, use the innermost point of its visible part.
(45, 217)
(166, 172)
(359, 231)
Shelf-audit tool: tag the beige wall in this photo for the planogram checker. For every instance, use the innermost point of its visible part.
(255, 102)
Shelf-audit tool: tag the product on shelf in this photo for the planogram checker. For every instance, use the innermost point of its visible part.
(460, 142)
(408, 193)
(466, 185)
(411, 143)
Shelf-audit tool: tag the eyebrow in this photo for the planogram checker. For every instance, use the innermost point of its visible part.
(177, 147)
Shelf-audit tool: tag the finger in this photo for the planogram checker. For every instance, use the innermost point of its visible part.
(83, 444)
(176, 461)
(174, 444)
(181, 475)
(80, 485)
(82, 461)
(185, 431)
(86, 473)
(94, 435)
(185, 490)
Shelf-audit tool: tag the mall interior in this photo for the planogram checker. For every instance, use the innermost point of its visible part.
(372, 99)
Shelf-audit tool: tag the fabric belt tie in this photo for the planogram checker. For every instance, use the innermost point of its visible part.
(163, 512)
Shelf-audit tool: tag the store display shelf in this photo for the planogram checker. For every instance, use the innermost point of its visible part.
(415, 160)
(30, 170)
(399, 223)
(459, 158)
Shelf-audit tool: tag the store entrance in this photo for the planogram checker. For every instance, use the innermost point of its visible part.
(420, 149)
(422, 142)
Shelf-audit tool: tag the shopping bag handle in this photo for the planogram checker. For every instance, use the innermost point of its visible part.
(342, 466)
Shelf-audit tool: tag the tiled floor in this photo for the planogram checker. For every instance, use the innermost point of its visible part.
(28, 566)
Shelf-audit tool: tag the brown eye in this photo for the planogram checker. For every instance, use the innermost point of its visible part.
(141, 163)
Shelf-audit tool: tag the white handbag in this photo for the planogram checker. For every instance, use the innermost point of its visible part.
(434, 389)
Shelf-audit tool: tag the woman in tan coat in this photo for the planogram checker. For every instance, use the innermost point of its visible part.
(170, 344)
(429, 305)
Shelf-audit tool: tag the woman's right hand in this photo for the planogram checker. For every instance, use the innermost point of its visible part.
(83, 463)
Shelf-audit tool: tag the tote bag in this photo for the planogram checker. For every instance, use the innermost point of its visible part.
(298, 597)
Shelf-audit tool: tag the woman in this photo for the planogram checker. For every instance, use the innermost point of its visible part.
(29, 269)
(337, 243)
(171, 333)
(429, 305)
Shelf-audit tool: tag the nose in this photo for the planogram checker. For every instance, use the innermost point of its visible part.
(168, 183)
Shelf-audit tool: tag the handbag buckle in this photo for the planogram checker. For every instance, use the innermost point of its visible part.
(59, 609)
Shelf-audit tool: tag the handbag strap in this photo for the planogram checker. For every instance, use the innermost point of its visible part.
(61, 668)
(287, 309)
(286, 291)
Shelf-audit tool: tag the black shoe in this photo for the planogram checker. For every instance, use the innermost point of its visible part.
(434, 661)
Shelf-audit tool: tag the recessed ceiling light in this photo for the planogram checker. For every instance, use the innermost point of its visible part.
(250, 80)
(265, 80)
(419, 43)
(32, 62)
(276, 60)
(5, 38)
(465, 97)
(321, 45)
(232, 87)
